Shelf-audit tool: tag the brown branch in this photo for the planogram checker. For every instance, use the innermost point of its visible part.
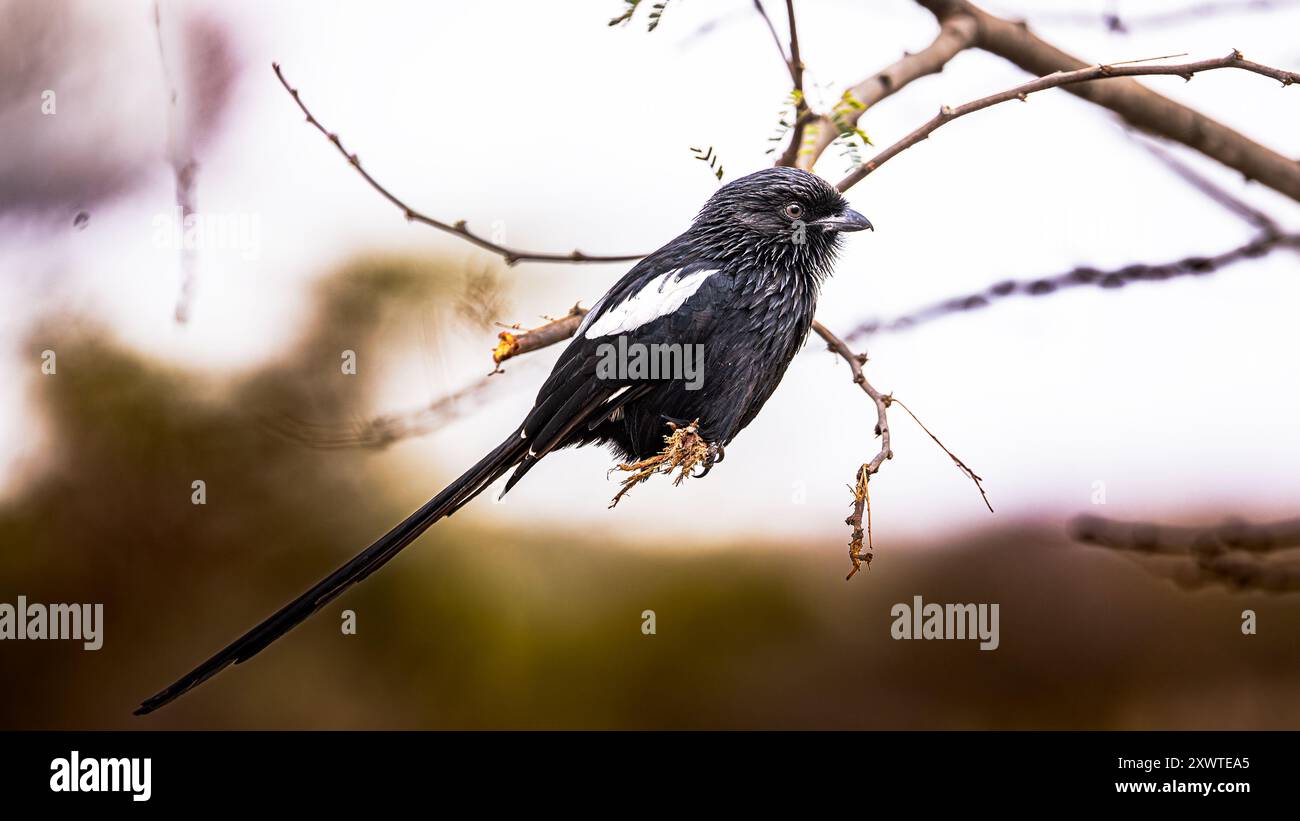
(511, 343)
(796, 63)
(956, 34)
(776, 38)
(1136, 104)
(861, 494)
(1235, 554)
(1066, 78)
(459, 228)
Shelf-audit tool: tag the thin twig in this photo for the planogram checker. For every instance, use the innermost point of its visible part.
(868, 469)
(1083, 276)
(861, 493)
(1061, 78)
(776, 38)
(962, 466)
(459, 228)
(1209, 188)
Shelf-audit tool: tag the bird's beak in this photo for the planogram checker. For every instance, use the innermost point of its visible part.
(846, 220)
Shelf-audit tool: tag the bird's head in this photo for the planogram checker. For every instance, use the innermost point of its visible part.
(780, 214)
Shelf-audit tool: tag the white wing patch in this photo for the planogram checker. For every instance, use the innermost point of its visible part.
(657, 298)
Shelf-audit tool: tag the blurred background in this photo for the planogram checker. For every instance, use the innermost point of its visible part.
(545, 128)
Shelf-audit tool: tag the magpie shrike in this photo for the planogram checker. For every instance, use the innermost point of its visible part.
(741, 282)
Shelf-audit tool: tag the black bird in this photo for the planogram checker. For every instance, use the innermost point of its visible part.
(741, 282)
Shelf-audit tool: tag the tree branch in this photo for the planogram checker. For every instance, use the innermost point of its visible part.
(776, 38)
(1080, 277)
(803, 115)
(796, 63)
(511, 344)
(459, 228)
(861, 495)
(858, 553)
(956, 34)
(1069, 78)
(1136, 104)
(962, 466)
(1235, 554)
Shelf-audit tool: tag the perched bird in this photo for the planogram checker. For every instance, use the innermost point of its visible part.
(741, 283)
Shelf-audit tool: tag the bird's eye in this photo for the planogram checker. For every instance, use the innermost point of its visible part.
(794, 210)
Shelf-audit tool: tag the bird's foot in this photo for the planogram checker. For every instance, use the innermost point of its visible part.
(713, 456)
(684, 450)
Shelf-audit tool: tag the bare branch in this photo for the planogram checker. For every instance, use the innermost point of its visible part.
(803, 115)
(1064, 78)
(962, 466)
(1084, 276)
(511, 343)
(1235, 554)
(796, 62)
(460, 229)
(861, 497)
(776, 38)
(1137, 105)
(956, 34)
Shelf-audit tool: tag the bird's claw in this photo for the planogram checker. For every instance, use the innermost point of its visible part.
(715, 455)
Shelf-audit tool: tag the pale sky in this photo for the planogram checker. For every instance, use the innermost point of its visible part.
(1179, 396)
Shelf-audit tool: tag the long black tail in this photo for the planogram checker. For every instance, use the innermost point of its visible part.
(458, 493)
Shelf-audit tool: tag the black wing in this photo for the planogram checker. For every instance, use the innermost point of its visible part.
(575, 398)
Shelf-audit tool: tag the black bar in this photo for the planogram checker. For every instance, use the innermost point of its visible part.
(326, 770)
